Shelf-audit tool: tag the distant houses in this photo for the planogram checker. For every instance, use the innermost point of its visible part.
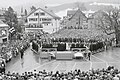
(77, 19)
(46, 20)
(42, 19)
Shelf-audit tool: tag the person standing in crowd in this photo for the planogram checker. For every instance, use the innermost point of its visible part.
(89, 55)
(22, 49)
(22, 54)
(85, 55)
(105, 46)
(2, 66)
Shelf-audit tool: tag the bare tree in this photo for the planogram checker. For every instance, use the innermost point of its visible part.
(109, 21)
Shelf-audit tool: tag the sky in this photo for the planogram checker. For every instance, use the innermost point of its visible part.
(6, 3)
(26, 4)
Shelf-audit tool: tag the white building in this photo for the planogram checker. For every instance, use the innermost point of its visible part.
(3, 32)
(42, 19)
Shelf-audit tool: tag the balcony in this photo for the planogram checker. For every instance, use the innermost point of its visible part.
(36, 26)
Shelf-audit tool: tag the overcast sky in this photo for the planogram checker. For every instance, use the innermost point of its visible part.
(6, 3)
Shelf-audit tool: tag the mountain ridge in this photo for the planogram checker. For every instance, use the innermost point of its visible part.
(73, 5)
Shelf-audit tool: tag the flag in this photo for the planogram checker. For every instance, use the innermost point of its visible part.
(11, 30)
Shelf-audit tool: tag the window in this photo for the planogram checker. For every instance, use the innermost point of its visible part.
(30, 25)
(32, 19)
(40, 19)
(45, 24)
(36, 14)
(42, 14)
(4, 40)
(46, 19)
(34, 25)
(43, 19)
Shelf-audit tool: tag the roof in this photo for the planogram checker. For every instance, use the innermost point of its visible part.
(78, 11)
(2, 24)
(71, 12)
(47, 11)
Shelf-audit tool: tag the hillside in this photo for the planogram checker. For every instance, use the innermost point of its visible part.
(83, 6)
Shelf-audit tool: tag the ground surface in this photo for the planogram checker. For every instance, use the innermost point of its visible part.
(32, 61)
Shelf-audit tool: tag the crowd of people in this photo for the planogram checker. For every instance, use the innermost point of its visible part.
(61, 44)
(12, 50)
(111, 73)
(19, 46)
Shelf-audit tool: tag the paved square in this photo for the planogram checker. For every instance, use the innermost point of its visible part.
(32, 61)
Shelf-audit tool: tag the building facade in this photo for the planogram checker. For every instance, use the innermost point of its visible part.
(77, 20)
(4, 32)
(42, 19)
